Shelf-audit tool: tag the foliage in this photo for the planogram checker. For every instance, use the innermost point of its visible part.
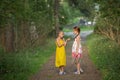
(21, 65)
(108, 19)
(86, 7)
(23, 23)
(68, 14)
(82, 28)
(105, 54)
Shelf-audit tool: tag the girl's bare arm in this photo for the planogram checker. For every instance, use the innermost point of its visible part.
(78, 43)
(65, 41)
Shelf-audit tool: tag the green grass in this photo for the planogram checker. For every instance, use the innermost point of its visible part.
(67, 30)
(83, 28)
(106, 56)
(23, 64)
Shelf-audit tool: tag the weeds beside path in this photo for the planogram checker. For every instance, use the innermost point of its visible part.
(49, 72)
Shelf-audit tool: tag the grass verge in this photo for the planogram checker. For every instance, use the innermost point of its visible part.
(23, 64)
(106, 56)
(86, 28)
(83, 28)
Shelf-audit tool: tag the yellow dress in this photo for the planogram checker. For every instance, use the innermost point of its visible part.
(60, 55)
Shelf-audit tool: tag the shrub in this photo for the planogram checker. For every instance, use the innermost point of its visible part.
(106, 56)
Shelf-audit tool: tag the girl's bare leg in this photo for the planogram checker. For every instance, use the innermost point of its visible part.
(78, 66)
(61, 68)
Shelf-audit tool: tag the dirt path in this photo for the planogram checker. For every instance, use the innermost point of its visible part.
(49, 72)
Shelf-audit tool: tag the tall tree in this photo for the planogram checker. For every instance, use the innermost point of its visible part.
(17, 18)
(56, 15)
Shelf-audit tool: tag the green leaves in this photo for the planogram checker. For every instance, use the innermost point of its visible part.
(105, 54)
(108, 19)
(86, 7)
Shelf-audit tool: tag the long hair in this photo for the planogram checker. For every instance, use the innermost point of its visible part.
(77, 29)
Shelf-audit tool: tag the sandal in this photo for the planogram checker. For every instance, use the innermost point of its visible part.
(62, 73)
(76, 72)
(81, 70)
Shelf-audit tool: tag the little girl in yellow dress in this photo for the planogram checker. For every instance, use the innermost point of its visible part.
(60, 61)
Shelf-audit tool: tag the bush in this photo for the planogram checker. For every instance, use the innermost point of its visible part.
(106, 56)
(21, 65)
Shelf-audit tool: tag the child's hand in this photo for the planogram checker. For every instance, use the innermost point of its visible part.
(68, 39)
(77, 51)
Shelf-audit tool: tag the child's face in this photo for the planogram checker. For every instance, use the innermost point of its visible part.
(75, 32)
(61, 34)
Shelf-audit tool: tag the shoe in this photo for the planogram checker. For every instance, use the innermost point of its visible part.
(81, 70)
(76, 72)
(60, 73)
(64, 72)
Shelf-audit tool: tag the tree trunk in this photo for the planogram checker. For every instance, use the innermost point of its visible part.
(2, 38)
(9, 38)
(24, 35)
(56, 15)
